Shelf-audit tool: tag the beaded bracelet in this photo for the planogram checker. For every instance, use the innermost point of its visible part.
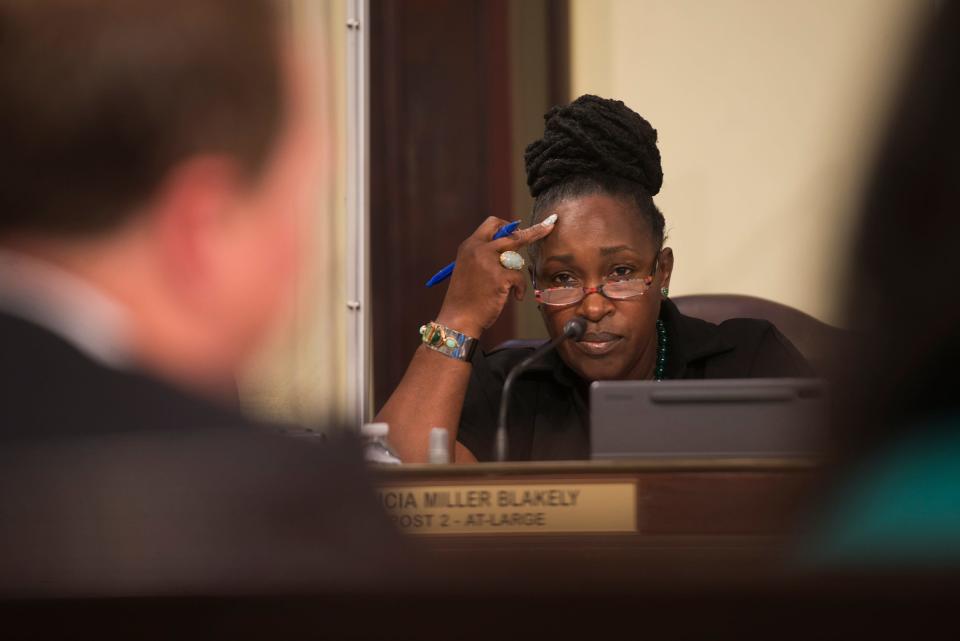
(448, 342)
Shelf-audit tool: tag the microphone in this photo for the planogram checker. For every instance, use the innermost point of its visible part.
(574, 328)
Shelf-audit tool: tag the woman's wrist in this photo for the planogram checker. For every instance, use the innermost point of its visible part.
(448, 341)
(460, 323)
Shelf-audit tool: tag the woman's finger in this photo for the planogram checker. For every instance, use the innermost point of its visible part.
(523, 237)
(511, 280)
(520, 289)
(488, 228)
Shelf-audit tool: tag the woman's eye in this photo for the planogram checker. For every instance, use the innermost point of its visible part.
(622, 271)
(564, 280)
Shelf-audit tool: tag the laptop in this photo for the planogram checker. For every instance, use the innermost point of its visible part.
(719, 418)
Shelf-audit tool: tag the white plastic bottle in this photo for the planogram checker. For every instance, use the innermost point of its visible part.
(439, 446)
(376, 447)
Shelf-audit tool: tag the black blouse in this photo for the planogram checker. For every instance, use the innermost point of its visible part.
(548, 414)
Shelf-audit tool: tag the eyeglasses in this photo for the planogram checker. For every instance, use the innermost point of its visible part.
(614, 290)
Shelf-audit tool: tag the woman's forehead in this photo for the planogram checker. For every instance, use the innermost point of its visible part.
(591, 223)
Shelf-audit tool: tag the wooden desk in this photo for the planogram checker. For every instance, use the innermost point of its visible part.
(740, 508)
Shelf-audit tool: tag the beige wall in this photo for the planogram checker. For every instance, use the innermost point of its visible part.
(300, 376)
(766, 113)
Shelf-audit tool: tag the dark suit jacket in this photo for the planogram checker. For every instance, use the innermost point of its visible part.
(113, 482)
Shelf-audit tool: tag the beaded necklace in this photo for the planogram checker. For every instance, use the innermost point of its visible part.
(661, 351)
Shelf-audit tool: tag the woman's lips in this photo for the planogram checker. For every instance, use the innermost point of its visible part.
(598, 344)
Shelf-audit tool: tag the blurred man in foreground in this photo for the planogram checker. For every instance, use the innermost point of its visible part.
(156, 160)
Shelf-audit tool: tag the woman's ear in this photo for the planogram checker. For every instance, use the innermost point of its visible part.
(665, 269)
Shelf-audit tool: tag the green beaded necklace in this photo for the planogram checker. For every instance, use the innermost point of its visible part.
(661, 351)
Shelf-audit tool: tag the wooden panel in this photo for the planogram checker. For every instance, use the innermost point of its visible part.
(440, 146)
(558, 47)
(714, 504)
(712, 510)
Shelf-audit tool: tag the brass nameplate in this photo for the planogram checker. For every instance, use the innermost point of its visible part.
(491, 508)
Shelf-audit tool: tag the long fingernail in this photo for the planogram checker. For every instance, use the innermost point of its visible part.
(549, 220)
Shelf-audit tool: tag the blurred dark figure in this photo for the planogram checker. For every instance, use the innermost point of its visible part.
(899, 423)
(157, 160)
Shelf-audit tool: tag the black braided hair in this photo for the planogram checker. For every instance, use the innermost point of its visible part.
(596, 146)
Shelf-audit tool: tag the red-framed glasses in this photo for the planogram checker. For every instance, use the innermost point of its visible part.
(614, 290)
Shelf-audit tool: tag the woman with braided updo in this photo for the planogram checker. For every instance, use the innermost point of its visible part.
(596, 249)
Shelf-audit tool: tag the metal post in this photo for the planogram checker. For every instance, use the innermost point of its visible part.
(357, 290)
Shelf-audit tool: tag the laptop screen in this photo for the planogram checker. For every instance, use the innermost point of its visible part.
(724, 418)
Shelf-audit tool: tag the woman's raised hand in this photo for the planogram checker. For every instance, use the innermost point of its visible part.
(480, 284)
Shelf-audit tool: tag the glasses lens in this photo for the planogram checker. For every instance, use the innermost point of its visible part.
(626, 288)
(561, 295)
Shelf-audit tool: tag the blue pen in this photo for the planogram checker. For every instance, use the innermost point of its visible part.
(444, 273)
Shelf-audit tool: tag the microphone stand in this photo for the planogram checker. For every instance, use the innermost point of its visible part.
(574, 328)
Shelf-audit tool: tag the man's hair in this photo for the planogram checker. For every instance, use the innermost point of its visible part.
(596, 146)
(100, 99)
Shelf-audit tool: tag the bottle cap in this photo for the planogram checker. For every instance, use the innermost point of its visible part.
(375, 429)
(439, 450)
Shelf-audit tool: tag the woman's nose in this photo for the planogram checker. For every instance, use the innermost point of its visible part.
(594, 306)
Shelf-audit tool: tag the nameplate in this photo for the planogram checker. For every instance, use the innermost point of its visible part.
(517, 508)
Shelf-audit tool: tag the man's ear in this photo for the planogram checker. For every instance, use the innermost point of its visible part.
(191, 212)
(665, 268)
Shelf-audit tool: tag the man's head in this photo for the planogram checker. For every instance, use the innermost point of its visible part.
(158, 148)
